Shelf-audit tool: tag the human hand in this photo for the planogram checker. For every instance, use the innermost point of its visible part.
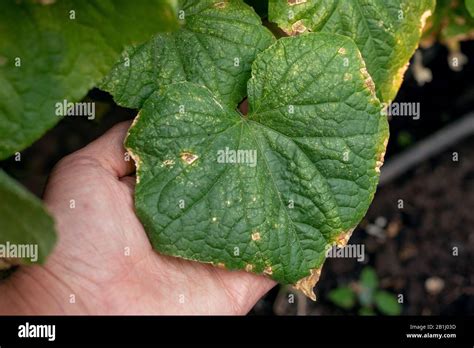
(104, 263)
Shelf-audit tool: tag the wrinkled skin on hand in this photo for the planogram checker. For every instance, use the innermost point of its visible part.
(104, 262)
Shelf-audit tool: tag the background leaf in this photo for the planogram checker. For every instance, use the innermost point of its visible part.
(470, 7)
(343, 297)
(450, 24)
(368, 284)
(368, 278)
(387, 303)
(366, 311)
(23, 220)
(62, 57)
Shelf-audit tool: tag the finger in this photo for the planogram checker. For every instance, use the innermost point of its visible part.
(129, 182)
(245, 289)
(109, 152)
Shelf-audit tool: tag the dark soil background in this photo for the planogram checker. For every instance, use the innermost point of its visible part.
(412, 252)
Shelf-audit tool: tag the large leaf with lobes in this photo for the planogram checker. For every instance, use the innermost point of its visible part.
(215, 47)
(55, 51)
(271, 191)
(386, 31)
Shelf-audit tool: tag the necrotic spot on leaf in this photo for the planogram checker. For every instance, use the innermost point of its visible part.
(298, 28)
(255, 236)
(189, 157)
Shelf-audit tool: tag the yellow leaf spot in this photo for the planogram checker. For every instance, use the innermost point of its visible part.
(134, 156)
(423, 18)
(255, 236)
(221, 265)
(168, 163)
(344, 237)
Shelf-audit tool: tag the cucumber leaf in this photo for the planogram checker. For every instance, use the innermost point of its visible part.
(386, 31)
(271, 191)
(24, 224)
(55, 52)
(215, 47)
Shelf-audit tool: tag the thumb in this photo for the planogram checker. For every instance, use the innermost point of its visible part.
(109, 152)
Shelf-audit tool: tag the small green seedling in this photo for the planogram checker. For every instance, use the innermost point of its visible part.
(366, 296)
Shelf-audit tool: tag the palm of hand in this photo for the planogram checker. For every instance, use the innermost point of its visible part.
(104, 263)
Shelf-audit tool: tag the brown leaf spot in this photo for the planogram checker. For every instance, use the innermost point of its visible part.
(380, 159)
(3, 60)
(307, 284)
(268, 270)
(368, 82)
(221, 265)
(188, 157)
(296, 2)
(168, 163)
(398, 77)
(134, 156)
(344, 237)
(221, 4)
(298, 27)
(341, 50)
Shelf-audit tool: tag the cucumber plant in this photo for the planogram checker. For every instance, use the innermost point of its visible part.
(51, 51)
(366, 295)
(268, 190)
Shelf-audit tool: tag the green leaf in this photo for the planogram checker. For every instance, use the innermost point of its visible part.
(368, 278)
(386, 32)
(366, 311)
(49, 54)
(470, 7)
(343, 297)
(450, 24)
(387, 303)
(311, 149)
(23, 220)
(215, 47)
(368, 284)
